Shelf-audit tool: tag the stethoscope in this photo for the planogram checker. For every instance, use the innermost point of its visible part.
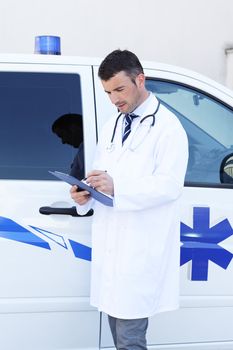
(111, 146)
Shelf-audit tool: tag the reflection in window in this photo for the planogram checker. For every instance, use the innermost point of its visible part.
(29, 105)
(208, 124)
(69, 128)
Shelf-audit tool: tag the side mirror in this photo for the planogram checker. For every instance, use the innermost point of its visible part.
(226, 170)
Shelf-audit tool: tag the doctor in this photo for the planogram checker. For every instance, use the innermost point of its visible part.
(141, 162)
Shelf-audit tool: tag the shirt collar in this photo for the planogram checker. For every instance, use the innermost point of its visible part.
(141, 109)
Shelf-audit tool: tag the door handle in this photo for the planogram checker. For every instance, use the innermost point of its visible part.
(63, 211)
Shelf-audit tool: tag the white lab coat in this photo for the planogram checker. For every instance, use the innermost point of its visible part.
(136, 244)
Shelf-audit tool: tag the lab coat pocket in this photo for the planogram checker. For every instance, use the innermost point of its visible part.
(133, 254)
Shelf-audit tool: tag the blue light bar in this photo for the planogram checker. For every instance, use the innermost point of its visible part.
(47, 45)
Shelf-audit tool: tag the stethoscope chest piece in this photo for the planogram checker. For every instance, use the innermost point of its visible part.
(111, 147)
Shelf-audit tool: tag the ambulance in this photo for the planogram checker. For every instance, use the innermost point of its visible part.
(45, 246)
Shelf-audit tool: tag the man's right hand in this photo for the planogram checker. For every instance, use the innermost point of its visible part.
(80, 197)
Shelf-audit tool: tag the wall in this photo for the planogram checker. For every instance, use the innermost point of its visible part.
(189, 33)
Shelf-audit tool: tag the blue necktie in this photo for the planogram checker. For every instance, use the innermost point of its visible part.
(128, 121)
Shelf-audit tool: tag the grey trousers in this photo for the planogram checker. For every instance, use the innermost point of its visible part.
(129, 334)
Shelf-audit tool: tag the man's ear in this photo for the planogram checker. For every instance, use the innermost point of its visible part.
(140, 79)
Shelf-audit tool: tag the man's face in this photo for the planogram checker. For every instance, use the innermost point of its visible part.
(123, 92)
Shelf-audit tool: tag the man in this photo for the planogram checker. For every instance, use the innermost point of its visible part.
(69, 128)
(135, 244)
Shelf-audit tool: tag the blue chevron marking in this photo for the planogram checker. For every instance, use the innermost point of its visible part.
(15, 232)
(53, 236)
(81, 251)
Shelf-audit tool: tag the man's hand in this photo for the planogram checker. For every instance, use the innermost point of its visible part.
(101, 181)
(81, 197)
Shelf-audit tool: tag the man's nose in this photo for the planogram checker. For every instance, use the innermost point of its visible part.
(114, 98)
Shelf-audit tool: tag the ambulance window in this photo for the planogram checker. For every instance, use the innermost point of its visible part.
(40, 124)
(208, 124)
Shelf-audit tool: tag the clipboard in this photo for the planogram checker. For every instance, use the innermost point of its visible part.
(99, 196)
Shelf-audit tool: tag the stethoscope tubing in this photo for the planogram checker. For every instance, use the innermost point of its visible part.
(151, 115)
(114, 129)
(141, 121)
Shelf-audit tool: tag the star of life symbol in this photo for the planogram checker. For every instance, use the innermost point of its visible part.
(200, 243)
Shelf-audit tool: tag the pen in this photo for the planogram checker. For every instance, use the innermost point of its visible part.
(85, 178)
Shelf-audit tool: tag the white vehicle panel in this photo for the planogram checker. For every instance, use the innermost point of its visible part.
(45, 281)
(45, 269)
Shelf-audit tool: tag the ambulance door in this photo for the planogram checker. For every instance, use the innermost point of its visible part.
(204, 319)
(45, 247)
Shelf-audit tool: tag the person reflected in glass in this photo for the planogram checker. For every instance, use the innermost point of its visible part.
(69, 128)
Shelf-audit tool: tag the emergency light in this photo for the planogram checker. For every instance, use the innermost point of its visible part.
(47, 45)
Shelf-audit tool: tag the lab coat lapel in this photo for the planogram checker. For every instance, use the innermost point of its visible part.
(129, 139)
(118, 149)
(121, 149)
